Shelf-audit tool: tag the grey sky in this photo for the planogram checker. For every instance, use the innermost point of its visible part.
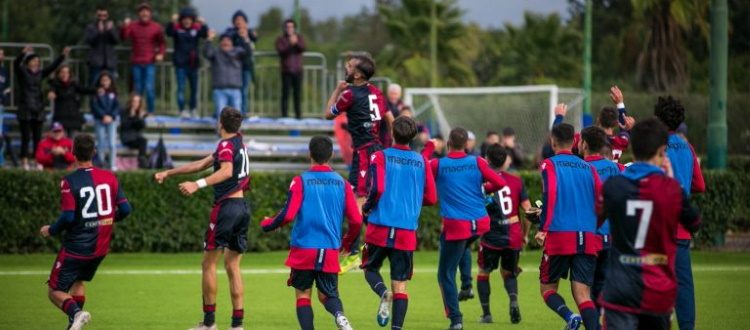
(488, 13)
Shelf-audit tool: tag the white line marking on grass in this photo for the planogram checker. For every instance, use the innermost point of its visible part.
(271, 271)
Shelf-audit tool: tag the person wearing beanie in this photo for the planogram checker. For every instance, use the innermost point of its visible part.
(186, 29)
(55, 152)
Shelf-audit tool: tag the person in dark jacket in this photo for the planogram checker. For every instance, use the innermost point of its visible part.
(290, 47)
(240, 32)
(64, 95)
(226, 71)
(106, 108)
(30, 114)
(186, 32)
(4, 93)
(131, 128)
(101, 36)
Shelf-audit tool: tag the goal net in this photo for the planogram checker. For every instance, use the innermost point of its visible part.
(529, 110)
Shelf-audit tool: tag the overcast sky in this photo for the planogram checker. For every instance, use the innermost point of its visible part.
(488, 13)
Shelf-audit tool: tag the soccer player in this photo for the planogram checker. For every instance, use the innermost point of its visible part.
(365, 108)
(644, 207)
(459, 178)
(687, 171)
(230, 215)
(318, 200)
(91, 202)
(570, 193)
(593, 146)
(501, 246)
(402, 182)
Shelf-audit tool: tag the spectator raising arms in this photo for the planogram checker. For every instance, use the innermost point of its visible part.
(147, 40)
(226, 70)
(105, 109)
(290, 47)
(101, 36)
(240, 32)
(186, 33)
(30, 115)
(64, 95)
(55, 152)
(131, 128)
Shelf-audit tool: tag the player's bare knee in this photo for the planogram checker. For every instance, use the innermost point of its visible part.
(398, 286)
(322, 297)
(506, 274)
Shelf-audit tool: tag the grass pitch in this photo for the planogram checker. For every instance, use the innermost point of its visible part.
(162, 291)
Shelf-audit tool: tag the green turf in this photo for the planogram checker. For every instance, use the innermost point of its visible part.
(172, 301)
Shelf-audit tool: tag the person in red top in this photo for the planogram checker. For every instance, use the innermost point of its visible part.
(148, 46)
(55, 152)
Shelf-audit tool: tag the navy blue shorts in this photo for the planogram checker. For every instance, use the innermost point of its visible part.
(490, 259)
(581, 268)
(69, 269)
(402, 262)
(360, 168)
(228, 226)
(327, 283)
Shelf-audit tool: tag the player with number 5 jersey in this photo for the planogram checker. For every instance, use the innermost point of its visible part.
(230, 215)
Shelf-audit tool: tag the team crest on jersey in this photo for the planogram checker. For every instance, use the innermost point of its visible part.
(58, 264)
(224, 144)
(372, 158)
(363, 173)
(211, 226)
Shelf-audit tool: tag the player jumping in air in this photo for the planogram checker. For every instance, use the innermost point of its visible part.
(644, 207)
(571, 191)
(402, 182)
(91, 202)
(365, 108)
(318, 201)
(501, 246)
(459, 178)
(230, 215)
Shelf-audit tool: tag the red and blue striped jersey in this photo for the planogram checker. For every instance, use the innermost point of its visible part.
(365, 107)
(506, 228)
(232, 150)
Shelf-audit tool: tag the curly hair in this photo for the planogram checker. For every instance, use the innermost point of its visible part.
(670, 111)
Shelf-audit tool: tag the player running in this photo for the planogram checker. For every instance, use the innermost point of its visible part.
(402, 182)
(687, 171)
(230, 215)
(365, 108)
(570, 192)
(318, 200)
(501, 246)
(644, 207)
(459, 178)
(91, 202)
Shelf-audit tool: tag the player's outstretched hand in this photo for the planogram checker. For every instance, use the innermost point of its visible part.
(540, 237)
(44, 231)
(561, 109)
(616, 95)
(188, 188)
(160, 176)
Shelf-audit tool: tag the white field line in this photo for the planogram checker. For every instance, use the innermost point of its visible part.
(272, 271)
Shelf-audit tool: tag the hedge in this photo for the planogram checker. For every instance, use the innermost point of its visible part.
(165, 221)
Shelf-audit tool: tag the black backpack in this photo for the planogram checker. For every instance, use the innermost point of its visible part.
(159, 156)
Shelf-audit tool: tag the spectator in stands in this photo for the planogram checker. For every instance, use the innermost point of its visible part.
(101, 36)
(29, 73)
(395, 104)
(240, 33)
(148, 47)
(4, 96)
(65, 97)
(423, 132)
(226, 71)
(471, 144)
(106, 108)
(55, 152)
(514, 149)
(186, 30)
(290, 47)
(491, 138)
(131, 128)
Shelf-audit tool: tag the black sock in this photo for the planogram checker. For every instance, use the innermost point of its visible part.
(556, 303)
(80, 300)
(376, 282)
(238, 315)
(511, 286)
(589, 315)
(70, 307)
(334, 306)
(305, 314)
(209, 314)
(400, 304)
(483, 289)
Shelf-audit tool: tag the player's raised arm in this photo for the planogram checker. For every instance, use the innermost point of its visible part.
(494, 181)
(192, 167)
(355, 220)
(430, 189)
(340, 101)
(290, 210)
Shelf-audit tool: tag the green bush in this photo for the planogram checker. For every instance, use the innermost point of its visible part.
(165, 221)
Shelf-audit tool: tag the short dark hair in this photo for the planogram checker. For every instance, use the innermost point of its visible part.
(670, 111)
(321, 149)
(102, 8)
(290, 20)
(647, 136)
(438, 137)
(595, 138)
(563, 133)
(608, 117)
(509, 131)
(457, 138)
(496, 155)
(404, 130)
(491, 133)
(365, 65)
(231, 119)
(83, 147)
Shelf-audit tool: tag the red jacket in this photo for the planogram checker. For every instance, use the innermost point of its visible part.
(44, 154)
(147, 40)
